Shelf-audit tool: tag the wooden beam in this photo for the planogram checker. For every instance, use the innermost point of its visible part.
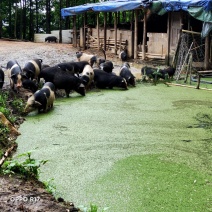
(169, 37)
(136, 35)
(84, 31)
(97, 18)
(105, 30)
(74, 32)
(207, 52)
(115, 29)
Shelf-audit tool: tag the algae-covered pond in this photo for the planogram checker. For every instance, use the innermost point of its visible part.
(144, 149)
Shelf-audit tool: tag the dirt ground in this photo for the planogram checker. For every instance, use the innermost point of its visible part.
(17, 194)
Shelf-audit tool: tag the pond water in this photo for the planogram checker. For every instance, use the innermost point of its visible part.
(95, 144)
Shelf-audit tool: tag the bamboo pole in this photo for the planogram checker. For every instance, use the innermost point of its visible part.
(191, 32)
(184, 61)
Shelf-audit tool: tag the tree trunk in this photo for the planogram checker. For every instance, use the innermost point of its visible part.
(31, 22)
(48, 9)
(60, 32)
(24, 20)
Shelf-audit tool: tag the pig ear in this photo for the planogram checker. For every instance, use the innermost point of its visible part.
(28, 96)
(36, 103)
(12, 76)
(31, 71)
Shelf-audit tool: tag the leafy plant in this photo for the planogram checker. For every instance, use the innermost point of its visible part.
(4, 108)
(49, 186)
(93, 208)
(3, 132)
(18, 104)
(28, 168)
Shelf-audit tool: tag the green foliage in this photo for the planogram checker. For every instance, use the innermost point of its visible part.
(3, 132)
(27, 168)
(93, 208)
(18, 104)
(49, 186)
(4, 107)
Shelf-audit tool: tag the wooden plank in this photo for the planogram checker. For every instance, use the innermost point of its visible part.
(207, 71)
(198, 64)
(153, 57)
(153, 54)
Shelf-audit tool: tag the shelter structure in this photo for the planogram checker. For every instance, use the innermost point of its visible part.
(155, 28)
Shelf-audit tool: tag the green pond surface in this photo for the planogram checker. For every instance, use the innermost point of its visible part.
(144, 149)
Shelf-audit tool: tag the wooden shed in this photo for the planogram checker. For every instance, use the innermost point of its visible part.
(157, 35)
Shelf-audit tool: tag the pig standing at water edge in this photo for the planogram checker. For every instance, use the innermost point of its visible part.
(87, 76)
(107, 66)
(42, 99)
(63, 80)
(73, 67)
(32, 69)
(127, 74)
(14, 74)
(103, 79)
(1, 78)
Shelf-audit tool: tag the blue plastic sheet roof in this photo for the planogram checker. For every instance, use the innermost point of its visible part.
(176, 5)
(123, 5)
(199, 9)
(107, 6)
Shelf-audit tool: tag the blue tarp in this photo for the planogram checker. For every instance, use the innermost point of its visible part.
(107, 6)
(199, 9)
(176, 5)
(123, 5)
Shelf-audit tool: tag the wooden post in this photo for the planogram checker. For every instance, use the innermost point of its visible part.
(74, 32)
(198, 80)
(115, 30)
(84, 31)
(169, 38)
(120, 39)
(144, 37)
(136, 35)
(207, 52)
(132, 34)
(105, 30)
(97, 19)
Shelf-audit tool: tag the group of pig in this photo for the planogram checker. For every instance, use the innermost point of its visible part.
(88, 71)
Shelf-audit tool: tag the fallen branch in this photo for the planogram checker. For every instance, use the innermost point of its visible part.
(7, 123)
(6, 154)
